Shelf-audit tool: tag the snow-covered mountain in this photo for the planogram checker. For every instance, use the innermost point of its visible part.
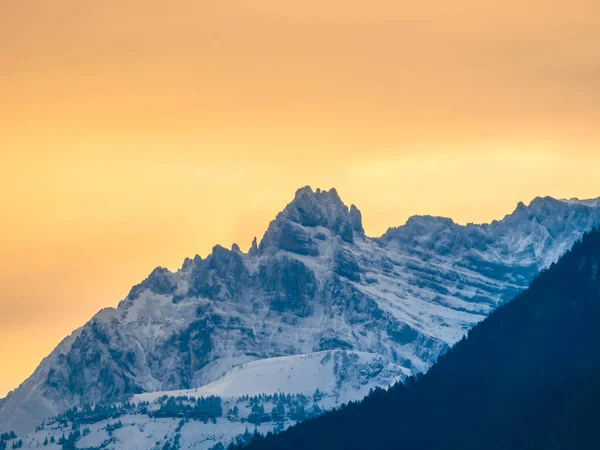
(315, 283)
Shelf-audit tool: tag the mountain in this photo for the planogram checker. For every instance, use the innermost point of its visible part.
(315, 283)
(527, 377)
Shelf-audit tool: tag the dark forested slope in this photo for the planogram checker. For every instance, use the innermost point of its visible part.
(527, 377)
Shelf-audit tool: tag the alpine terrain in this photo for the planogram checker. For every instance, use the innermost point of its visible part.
(314, 316)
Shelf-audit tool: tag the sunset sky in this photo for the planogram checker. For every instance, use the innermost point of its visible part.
(134, 133)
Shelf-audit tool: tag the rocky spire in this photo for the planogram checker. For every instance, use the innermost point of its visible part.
(323, 208)
(254, 247)
(310, 209)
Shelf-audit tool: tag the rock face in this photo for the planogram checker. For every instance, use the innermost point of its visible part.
(314, 283)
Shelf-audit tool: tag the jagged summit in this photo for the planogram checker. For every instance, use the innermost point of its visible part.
(546, 205)
(422, 224)
(297, 227)
(323, 208)
(550, 205)
(590, 202)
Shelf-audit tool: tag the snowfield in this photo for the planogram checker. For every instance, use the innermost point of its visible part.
(347, 376)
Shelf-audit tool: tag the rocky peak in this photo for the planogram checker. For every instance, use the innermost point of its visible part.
(253, 248)
(552, 214)
(160, 281)
(547, 205)
(222, 275)
(356, 218)
(590, 202)
(321, 208)
(309, 209)
(419, 228)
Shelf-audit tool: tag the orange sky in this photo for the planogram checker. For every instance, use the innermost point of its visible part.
(134, 133)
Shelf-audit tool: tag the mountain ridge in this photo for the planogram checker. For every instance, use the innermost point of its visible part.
(315, 282)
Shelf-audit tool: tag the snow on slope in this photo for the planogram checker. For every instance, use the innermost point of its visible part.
(315, 283)
(140, 432)
(326, 379)
(344, 375)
